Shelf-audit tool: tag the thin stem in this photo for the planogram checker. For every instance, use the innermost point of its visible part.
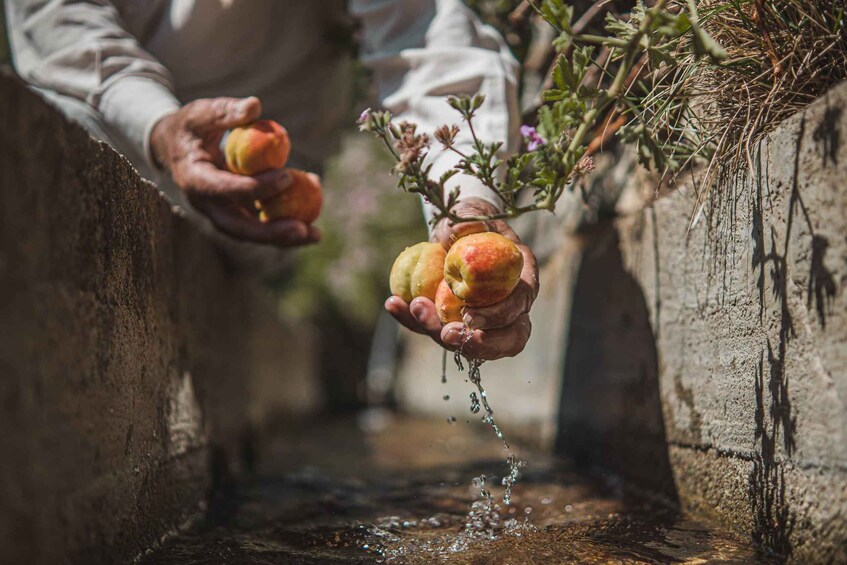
(457, 152)
(387, 143)
(602, 40)
(473, 134)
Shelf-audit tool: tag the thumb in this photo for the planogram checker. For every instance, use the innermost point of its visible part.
(446, 233)
(224, 113)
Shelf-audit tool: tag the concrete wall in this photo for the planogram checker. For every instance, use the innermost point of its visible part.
(750, 314)
(135, 360)
(709, 365)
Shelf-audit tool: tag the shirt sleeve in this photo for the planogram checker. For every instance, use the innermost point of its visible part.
(421, 51)
(82, 49)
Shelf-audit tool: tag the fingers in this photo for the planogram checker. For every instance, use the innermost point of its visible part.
(425, 314)
(271, 183)
(398, 308)
(204, 179)
(489, 344)
(222, 113)
(506, 311)
(238, 223)
(503, 313)
(497, 331)
(420, 316)
(446, 232)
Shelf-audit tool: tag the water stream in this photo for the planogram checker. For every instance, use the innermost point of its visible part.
(338, 491)
(475, 376)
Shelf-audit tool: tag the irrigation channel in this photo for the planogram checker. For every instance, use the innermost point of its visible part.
(389, 489)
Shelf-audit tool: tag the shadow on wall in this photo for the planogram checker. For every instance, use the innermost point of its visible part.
(610, 413)
(773, 519)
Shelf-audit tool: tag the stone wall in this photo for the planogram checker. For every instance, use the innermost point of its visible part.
(709, 362)
(135, 359)
(749, 310)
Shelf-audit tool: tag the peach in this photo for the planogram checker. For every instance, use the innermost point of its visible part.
(448, 306)
(301, 200)
(417, 271)
(483, 268)
(258, 147)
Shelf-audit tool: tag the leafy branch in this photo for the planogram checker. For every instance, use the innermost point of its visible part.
(647, 46)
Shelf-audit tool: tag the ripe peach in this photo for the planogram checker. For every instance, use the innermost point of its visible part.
(483, 268)
(258, 147)
(448, 306)
(417, 271)
(302, 200)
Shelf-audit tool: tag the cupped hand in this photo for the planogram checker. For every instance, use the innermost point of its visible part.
(499, 330)
(187, 144)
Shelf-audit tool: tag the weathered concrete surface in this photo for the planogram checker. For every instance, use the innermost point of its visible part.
(129, 370)
(711, 364)
(750, 313)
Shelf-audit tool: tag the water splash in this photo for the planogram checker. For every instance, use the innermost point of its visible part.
(483, 520)
(481, 401)
(509, 480)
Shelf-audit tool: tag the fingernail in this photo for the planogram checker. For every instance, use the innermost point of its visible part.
(452, 336)
(417, 310)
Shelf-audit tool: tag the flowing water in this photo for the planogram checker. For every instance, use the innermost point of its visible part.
(475, 376)
(384, 489)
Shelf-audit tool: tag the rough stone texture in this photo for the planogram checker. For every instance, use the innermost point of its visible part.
(709, 364)
(750, 313)
(129, 369)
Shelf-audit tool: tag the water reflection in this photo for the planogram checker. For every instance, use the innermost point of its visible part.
(329, 493)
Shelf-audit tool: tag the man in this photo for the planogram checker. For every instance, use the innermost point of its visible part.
(163, 80)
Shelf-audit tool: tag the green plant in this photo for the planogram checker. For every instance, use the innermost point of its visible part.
(629, 75)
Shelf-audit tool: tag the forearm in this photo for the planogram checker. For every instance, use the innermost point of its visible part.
(82, 50)
(445, 52)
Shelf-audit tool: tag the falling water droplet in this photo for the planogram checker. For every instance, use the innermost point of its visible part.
(474, 403)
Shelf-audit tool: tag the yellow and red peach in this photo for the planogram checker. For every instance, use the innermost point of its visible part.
(448, 306)
(483, 268)
(258, 147)
(417, 271)
(301, 200)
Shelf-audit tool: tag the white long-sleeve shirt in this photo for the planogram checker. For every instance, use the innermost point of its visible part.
(134, 61)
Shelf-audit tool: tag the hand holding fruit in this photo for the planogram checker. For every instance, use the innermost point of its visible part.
(187, 144)
(500, 329)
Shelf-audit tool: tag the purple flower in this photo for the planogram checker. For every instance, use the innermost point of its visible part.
(534, 140)
(364, 115)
